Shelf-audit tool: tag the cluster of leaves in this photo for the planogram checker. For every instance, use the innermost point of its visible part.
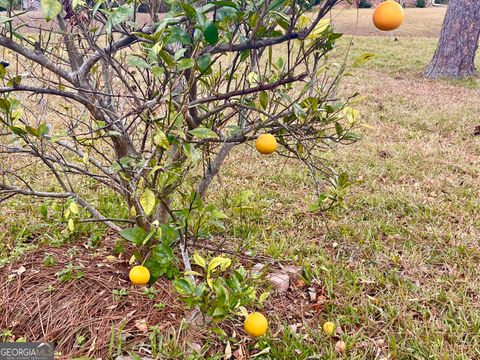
(160, 257)
(70, 272)
(222, 291)
(196, 218)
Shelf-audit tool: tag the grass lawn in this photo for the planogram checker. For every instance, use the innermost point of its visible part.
(399, 266)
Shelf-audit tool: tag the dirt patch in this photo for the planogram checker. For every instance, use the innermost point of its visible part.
(80, 315)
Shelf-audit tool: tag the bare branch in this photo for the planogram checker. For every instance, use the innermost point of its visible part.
(39, 58)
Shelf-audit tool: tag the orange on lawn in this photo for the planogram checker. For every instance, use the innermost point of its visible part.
(256, 324)
(388, 15)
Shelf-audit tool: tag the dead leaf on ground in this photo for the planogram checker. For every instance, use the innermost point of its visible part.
(141, 324)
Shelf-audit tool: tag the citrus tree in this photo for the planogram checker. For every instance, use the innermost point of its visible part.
(149, 106)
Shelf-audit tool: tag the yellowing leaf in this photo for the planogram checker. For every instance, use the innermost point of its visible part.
(253, 78)
(71, 225)
(160, 139)
(243, 311)
(367, 126)
(191, 272)
(147, 200)
(51, 8)
(223, 262)
(263, 297)
(198, 260)
(303, 21)
(317, 32)
(132, 260)
(73, 208)
(351, 114)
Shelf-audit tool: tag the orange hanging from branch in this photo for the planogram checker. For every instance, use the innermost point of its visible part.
(388, 15)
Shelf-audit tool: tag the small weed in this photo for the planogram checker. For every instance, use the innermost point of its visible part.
(70, 272)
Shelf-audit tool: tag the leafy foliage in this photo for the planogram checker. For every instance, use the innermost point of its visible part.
(222, 290)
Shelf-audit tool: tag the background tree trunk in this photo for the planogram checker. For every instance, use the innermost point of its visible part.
(163, 8)
(458, 43)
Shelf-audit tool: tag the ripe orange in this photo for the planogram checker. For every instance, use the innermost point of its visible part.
(139, 275)
(388, 15)
(266, 144)
(256, 324)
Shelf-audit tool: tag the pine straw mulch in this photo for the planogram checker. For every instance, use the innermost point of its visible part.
(80, 315)
(35, 305)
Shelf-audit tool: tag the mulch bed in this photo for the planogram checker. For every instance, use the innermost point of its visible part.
(80, 315)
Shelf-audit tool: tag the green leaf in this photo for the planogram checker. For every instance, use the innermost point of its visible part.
(219, 331)
(44, 210)
(166, 57)
(183, 286)
(159, 262)
(97, 6)
(211, 33)
(198, 260)
(191, 152)
(147, 200)
(203, 61)
(135, 235)
(220, 311)
(203, 133)
(51, 8)
(189, 10)
(158, 71)
(163, 253)
(120, 14)
(275, 4)
(31, 130)
(263, 99)
(17, 130)
(177, 34)
(138, 62)
(185, 64)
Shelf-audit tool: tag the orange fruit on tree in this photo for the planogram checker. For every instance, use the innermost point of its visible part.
(388, 15)
(139, 275)
(266, 144)
(256, 324)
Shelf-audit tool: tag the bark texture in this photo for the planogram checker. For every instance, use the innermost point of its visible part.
(458, 43)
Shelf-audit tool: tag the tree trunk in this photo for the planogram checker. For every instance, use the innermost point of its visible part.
(163, 8)
(458, 43)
